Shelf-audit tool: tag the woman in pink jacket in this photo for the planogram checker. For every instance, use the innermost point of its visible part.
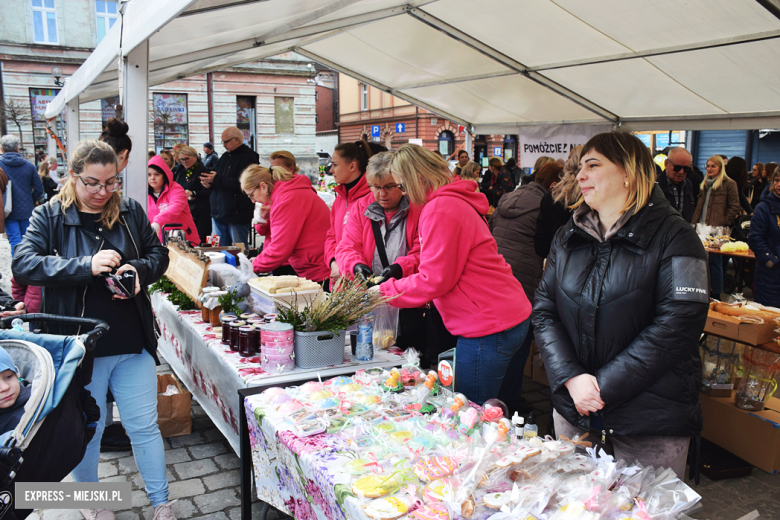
(168, 201)
(348, 170)
(298, 221)
(461, 271)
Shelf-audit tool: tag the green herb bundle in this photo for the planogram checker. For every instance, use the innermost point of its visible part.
(349, 301)
(229, 302)
(162, 285)
(181, 300)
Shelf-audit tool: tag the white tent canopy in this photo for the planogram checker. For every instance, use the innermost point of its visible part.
(494, 64)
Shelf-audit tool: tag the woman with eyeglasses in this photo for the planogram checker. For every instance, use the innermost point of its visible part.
(298, 221)
(167, 201)
(88, 231)
(718, 205)
(461, 272)
(197, 194)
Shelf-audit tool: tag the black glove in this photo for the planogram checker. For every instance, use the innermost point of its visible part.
(391, 271)
(363, 271)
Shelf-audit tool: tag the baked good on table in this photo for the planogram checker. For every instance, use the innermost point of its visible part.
(432, 467)
(730, 310)
(435, 511)
(375, 486)
(388, 508)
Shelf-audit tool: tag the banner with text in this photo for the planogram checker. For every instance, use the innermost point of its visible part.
(555, 141)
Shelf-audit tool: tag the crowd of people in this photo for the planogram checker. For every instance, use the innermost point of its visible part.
(587, 257)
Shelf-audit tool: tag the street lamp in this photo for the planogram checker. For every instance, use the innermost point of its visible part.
(57, 73)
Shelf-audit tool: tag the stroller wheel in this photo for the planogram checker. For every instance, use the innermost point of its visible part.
(729, 284)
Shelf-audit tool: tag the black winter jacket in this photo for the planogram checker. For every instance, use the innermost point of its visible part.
(552, 215)
(57, 251)
(688, 202)
(513, 225)
(228, 203)
(629, 311)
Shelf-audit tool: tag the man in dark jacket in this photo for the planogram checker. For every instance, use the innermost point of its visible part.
(673, 182)
(513, 225)
(231, 209)
(211, 157)
(27, 188)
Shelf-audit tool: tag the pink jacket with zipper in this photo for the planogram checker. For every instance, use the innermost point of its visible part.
(339, 214)
(298, 224)
(460, 269)
(171, 206)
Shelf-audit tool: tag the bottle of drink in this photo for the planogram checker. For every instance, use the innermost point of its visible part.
(364, 350)
(531, 430)
(517, 421)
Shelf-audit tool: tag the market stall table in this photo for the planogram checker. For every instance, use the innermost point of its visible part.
(739, 259)
(214, 373)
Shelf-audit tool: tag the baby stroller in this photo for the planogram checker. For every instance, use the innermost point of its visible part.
(60, 416)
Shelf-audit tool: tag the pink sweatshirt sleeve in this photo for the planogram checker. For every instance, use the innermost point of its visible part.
(443, 257)
(287, 220)
(177, 206)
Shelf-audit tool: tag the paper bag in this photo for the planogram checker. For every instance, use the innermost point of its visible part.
(173, 411)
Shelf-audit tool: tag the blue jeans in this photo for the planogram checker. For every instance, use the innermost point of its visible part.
(133, 381)
(480, 363)
(15, 230)
(230, 234)
(716, 273)
(512, 386)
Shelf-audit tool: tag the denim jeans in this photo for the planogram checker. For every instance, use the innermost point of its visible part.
(480, 363)
(512, 386)
(230, 234)
(133, 381)
(716, 273)
(15, 230)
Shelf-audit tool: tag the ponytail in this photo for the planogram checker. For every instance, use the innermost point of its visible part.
(359, 152)
(255, 175)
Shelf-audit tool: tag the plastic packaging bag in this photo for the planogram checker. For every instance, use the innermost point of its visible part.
(385, 326)
(758, 382)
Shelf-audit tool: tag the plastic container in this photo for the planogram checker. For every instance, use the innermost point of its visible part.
(277, 363)
(364, 350)
(530, 430)
(277, 338)
(319, 349)
(758, 382)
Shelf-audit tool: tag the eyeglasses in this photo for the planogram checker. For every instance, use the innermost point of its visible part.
(226, 142)
(94, 187)
(388, 188)
(678, 167)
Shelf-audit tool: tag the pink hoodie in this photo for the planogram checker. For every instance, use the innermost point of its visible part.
(171, 206)
(298, 224)
(460, 268)
(339, 214)
(358, 244)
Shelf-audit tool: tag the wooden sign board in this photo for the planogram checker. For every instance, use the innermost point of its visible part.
(187, 271)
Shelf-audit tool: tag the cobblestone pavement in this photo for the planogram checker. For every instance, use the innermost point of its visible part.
(203, 471)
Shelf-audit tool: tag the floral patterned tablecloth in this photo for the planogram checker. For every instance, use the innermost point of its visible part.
(304, 477)
(214, 373)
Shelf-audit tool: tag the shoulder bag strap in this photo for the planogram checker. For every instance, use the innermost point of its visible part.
(380, 243)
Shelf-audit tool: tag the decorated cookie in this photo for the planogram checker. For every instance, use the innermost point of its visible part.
(402, 436)
(385, 427)
(521, 454)
(356, 466)
(435, 511)
(431, 468)
(319, 395)
(435, 491)
(375, 486)
(497, 500)
(340, 380)
(311, 386)
(388, 508)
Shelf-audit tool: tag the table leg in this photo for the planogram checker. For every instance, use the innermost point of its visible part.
(246, 466)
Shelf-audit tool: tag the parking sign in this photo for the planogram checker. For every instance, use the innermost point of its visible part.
(375, 129)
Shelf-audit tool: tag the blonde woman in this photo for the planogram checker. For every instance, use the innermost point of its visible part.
(470, 172)
(298, 221)
(86, 232)
(188, 177)
(287, 161)
(620, 308)
(718, 205)
(554, 209)
(461, 272)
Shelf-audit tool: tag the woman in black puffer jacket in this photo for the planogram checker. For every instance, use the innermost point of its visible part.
(620, 308)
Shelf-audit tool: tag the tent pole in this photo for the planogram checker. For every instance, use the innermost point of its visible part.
(74, 133)
(136, 111)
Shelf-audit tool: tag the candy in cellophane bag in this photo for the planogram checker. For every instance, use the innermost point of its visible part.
(667, 498)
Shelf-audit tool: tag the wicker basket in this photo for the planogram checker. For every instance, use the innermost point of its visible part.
(319, 349)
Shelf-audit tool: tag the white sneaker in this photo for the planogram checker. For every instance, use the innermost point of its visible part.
(164, 511)
(98, 514)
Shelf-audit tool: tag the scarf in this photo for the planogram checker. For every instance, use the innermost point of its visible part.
(191, 170)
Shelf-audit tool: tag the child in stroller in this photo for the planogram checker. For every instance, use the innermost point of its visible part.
(14, 393)
(59, 417)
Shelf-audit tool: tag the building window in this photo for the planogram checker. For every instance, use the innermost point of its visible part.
(446, 143)
(44, 21)
(283, 110)
(363, 97)
(246, 119)
(106, 16)
(170, 121)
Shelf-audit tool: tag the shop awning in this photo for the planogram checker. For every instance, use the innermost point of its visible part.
(495, 64)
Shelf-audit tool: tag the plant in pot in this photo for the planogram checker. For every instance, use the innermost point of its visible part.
(228, 304)
(321, 324)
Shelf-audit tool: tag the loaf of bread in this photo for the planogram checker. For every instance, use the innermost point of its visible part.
(728, 310)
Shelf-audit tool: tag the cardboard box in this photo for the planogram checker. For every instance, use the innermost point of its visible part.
(540, 374)
(731, 328)
(753, 436)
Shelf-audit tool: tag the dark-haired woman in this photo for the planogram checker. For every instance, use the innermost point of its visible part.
(736, 169)
(764, 240)
(115, 135)
(87, 231)
(167, 203)
(348, 170)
